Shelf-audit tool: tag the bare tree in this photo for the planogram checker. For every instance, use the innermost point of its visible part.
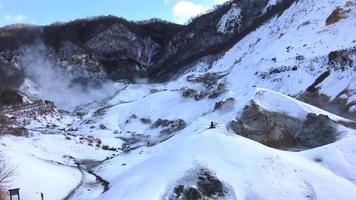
(6, 171)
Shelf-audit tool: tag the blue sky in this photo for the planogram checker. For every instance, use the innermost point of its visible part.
(44, 12)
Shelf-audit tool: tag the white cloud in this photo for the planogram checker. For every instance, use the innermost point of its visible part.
(14, 18)
(8, 17)
(184, 10)
(19, 17)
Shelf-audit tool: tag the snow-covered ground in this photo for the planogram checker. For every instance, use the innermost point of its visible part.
(47, 159)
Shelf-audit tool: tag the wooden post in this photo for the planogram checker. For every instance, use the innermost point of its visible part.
(15, 192)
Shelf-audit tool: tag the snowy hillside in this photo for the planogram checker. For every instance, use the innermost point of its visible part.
(290, 52)
(271, 118)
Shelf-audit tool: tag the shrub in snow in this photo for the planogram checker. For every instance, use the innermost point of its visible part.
(146, 121)
(102, 126)
(208, 80)
(275, 70)
(105, 147)
(191, 93)
(169, 126)
(221, 104)
(342, 59)
(219, 90)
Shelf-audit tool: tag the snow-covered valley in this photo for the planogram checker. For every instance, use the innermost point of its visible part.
(271, 118)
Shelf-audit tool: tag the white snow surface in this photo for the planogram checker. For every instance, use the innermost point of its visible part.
(45, 160)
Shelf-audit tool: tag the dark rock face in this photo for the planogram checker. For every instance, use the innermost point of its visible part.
(192, 194)
(209, 185)
(317, 130)
(204, 185)
(281, 131)
(121, 48)
(10, 97)
(127, 50)
(10, 76)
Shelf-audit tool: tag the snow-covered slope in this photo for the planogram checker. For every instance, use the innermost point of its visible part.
(291, 51)
(252, 170)
(155, 141)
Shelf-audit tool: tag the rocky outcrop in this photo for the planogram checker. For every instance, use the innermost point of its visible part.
(10, 97)
(340, 13)
(10, 75)
(200, 185)
(281, 131)
(169, 126)
(317, 130)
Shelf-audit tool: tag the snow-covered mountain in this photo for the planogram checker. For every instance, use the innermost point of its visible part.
(254, 100)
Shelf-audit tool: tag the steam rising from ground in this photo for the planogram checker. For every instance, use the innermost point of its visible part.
(56, 83)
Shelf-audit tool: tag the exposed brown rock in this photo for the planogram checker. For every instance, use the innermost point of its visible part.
(321, 78)
(334, 17)
(281, 131)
